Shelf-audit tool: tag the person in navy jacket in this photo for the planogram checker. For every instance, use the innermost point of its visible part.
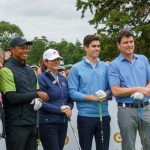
(54, 113)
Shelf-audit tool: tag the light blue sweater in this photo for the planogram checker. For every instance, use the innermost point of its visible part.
(84, 79)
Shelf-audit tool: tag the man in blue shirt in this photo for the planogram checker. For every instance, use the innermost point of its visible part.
(129, 78)
(88, 86)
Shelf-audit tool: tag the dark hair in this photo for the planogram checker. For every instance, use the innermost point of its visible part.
(123, 33)
(42, 65)
(89, 38)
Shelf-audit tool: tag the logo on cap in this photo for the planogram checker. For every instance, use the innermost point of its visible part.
(51, 54)
(54, 52)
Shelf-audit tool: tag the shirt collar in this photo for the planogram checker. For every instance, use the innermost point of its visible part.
(91, 62)
(135, 56)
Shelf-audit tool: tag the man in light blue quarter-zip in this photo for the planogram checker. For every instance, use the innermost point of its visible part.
(88, 86)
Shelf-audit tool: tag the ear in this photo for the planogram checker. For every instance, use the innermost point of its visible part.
(118, 45)
(12, 50)
(85, 48)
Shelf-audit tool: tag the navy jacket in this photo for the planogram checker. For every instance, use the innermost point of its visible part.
(58, 95)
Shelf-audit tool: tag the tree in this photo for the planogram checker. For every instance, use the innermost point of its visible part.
(70, 52)
(36, 51)
(7, 33)
(110, 16)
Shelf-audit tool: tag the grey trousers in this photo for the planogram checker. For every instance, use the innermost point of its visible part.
(129, 123)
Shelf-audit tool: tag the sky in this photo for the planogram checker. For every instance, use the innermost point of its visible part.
(54, 19)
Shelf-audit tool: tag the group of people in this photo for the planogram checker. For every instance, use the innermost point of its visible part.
(40, 106)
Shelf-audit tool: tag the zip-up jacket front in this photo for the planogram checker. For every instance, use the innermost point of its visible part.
(81, 83)
(18, 86)
(57, 91)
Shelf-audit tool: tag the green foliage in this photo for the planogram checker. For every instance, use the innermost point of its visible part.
(36, 51)
(108, 47)
(7, 33)
(70, 52)
(111, 16)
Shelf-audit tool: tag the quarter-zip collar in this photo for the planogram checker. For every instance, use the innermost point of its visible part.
(16, 62)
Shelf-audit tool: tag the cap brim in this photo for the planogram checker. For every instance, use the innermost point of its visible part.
(54, 57)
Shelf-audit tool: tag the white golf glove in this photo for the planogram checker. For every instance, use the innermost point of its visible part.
(64, 107)
(137, 96)
(101, 94)
(37, 102)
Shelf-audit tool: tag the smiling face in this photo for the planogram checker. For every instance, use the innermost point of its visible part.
(20, 52)
(52, 65)
(126, 46)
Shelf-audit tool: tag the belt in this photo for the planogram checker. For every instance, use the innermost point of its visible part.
(133, 105)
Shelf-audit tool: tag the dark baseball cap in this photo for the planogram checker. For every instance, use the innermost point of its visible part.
(18, 41)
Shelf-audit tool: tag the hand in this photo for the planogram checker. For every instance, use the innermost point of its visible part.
(7, 55)
(66, 109)
(144, 90)
(43, 96)
(37, 103)
(101, 94)
(137, 96)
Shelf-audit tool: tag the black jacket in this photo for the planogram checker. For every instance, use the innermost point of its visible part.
(17, 107)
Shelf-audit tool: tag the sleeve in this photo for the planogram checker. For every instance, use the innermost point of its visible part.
(51, 108)
(148, 68)
(20, 98)
(7, 81)
(8, 88)
(113, 75)
(47, 106)
(70, 101)
(108, 86)
(74, 83)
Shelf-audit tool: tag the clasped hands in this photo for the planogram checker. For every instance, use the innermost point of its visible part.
(66, 109)
(101, 95)
(137, 96)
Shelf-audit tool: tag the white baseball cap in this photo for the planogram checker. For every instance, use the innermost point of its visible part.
(51, 54)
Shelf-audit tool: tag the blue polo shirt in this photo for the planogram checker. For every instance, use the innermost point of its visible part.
(129, 74)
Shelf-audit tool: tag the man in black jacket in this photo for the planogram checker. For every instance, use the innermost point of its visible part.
(21, 98)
